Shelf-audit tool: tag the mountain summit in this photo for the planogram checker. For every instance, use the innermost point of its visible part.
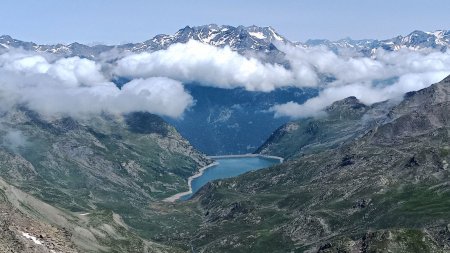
(237, 38)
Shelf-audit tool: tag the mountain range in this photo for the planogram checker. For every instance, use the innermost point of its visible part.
(241, 39)
(416, 40)
(237, 38)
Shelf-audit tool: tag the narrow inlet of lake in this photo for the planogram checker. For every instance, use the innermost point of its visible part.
(228, 167)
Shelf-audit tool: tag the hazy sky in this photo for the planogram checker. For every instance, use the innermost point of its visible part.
(118, 21)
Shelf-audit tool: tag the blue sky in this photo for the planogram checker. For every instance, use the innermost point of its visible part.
(118, 21)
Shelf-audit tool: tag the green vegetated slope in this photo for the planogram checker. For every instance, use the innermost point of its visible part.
(361, 179)
(102, 172)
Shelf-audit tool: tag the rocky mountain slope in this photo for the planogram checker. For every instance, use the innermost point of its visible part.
(99, 173)
(342, 121)
(364, 179)
(376, 183)
(21, 233)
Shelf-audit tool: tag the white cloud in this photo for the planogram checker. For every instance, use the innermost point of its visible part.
(70, 72)
(75, 87)
(366, 92)
(13, 139)
(362, 77)
(211, 66)
(158, 95)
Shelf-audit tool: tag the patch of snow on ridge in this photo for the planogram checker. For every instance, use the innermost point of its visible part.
(258, 35)
(275, 35)
(440, 38)
(34, 239)
(210, 37)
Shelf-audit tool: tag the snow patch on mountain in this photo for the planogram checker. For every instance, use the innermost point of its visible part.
(33, 238)
(258, 35)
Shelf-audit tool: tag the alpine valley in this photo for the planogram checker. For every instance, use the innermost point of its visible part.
(357, 177)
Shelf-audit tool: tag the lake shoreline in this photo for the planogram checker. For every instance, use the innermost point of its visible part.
(203, 169)
(281, 159)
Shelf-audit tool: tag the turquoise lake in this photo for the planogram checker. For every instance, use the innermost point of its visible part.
(230, 167)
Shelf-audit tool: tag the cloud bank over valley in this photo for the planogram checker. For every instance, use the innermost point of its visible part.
(76, 86)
